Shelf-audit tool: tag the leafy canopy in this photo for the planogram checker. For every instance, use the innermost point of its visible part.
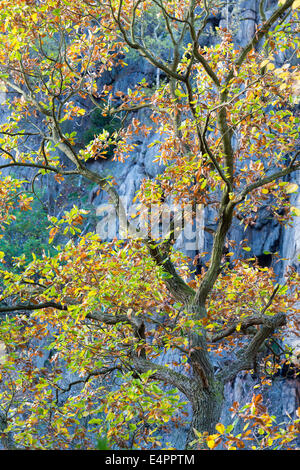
(226, 132)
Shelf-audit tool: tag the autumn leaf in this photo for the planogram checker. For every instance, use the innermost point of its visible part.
(295, 211)
(291, 188)
(211, 442)
(220, 428)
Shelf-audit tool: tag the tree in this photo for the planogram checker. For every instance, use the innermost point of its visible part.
(112, 308)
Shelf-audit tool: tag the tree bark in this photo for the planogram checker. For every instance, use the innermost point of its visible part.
(206, 407)
(206, 393)
(6, 438)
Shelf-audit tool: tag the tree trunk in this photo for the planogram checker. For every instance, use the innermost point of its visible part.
(206, 395)
(207, 407)
(6, 439)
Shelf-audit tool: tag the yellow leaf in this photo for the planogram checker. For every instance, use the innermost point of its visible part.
(210, 443)
(238, 327)
(295, 211)
(220, 428)
(199, 434)
(270, 66)
(264, 63)
(296, 4)
(291, 188)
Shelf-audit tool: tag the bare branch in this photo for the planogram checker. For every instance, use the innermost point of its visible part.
(247, 356)
(31, 307)
(94, 373)
(37, 165)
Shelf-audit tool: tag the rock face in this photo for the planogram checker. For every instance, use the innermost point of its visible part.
(265, 236)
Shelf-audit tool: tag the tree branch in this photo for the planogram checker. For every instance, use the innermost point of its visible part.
(176, 285)
(262, 181)
(267, 25)
(140, 48)
(247, 356)
(30, 307)
(164, 374)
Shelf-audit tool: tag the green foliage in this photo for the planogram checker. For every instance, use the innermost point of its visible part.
(26, 234)
(98, 123)
(102, 444)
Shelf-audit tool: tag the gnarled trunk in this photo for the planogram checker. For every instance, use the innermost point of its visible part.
(206, 407)
(206, 394)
